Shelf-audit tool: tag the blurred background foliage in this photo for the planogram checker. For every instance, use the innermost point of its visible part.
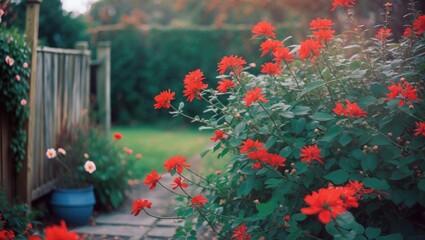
(156, 42)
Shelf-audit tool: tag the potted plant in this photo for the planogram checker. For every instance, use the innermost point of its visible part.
(74, 198)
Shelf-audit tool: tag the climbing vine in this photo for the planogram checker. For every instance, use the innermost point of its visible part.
(14, 86)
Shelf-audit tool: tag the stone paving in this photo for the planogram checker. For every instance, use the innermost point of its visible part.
(120, 224)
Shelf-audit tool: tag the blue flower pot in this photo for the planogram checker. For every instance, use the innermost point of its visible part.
(75, 206)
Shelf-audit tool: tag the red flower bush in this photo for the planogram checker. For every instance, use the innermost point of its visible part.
(357, 96)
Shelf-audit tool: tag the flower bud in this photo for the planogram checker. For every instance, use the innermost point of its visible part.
(390, 134)
(402, 79)
(253, 65)
(256, 201)
(238, 115)
(316, 130)
(375, 148)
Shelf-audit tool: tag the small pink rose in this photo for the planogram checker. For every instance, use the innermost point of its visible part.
(51, 153)
(23, 102)
(9, 61)
(89, 166)
(18, 78)
(25, 65)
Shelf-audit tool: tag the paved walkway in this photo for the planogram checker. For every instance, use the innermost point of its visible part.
(120, 224)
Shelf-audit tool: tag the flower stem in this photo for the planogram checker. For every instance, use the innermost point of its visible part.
(170, 190)
(161, 217)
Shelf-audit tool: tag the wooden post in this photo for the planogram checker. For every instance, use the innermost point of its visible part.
(103, 85)
(31, 31)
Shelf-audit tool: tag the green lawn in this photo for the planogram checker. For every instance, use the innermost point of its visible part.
(157, 144)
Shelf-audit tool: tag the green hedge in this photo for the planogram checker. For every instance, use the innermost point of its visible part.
(145, 63)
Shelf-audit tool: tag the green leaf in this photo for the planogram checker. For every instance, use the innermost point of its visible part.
(345, 139)
(331, 133)
(376, 184)
(358, 73)
(321, 116)
(370, 163)
(301, 110)
(421, 184)
(367, 101)
(378, 90)
(337, 177)
(345, 220)
(310, 87)
(273, 182)
(395, 236)
(240, 128)
(285, 152)
(270, 142)
(380, 140)
(298, 217)
(372, 233)
(265, 209)
(299, 125)
(244, 189)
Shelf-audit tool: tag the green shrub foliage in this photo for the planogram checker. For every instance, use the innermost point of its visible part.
(326, 143)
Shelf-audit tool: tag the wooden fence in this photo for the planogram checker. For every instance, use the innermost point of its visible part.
(61, 95)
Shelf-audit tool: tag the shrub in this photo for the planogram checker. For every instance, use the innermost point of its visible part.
(14, 218)
(327, 145)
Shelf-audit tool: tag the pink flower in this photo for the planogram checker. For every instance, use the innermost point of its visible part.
(139, 156)
(86, 155)
(9, 60)
(84, 111)
(51, 153)
(18, 78)
(89, 166)
(25, 65)
(1, 13)
(23, 102)
(62, 151)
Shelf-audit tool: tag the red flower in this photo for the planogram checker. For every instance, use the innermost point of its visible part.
(404, 90)
(271, 68)
(176, 163)
(250, 144)
(419, 25)
(383, 34)
(225, 84)
(348, 197)
(281, 54)
(339, 109)
(117, 136)
(235, 64)
(354, 110)
(164, 99)
(218, 135)
(309, 153)
(269, 46)
(275, 160)
(152, 179)
(193, 84)
(33, 237)
(254, 95)
(179, 182)
(198, 201)
(358, 188)
(327, 203)
(263, 28)
(321, 24)
(6, 234)
(139, 205)
(324, 35)
(260, 155)
(420, 128)
(57, 232)
(239, 233)
(309, 48)
(343, 3)
(407, 32)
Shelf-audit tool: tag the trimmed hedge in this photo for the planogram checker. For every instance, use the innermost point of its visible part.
(145, 63)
